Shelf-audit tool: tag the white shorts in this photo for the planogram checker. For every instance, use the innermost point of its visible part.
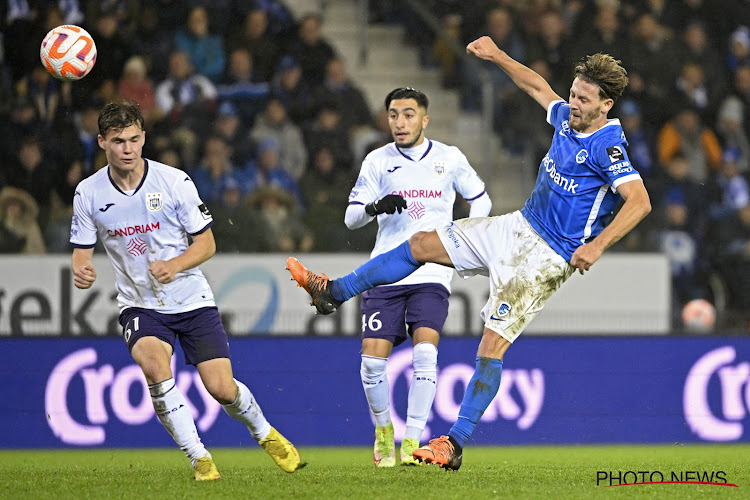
(524, 270)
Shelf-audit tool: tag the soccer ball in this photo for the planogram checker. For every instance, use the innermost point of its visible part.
(698, 315)
(68, 52)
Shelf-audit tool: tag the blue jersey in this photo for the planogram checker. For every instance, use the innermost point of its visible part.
(576, 189)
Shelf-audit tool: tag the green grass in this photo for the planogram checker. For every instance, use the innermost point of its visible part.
(512, 472)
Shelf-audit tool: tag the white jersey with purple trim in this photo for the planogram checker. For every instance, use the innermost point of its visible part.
(138, 228)
(428, 177)
(576, 188)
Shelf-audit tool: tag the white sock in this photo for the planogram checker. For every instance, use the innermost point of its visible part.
(422, 389)
(246, 409)
(175, 415)
(377, 392)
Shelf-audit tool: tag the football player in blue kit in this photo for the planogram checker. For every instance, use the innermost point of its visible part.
(566, 224)
(408, 185)
(143, 211)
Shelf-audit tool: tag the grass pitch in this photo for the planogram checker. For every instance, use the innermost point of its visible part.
(498, 472)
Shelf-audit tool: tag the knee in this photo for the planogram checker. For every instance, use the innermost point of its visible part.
(223, 390)
(419, 246)
(372, 369)
(424, 357)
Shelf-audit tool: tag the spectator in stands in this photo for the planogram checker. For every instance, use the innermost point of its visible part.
(686, 133)
(641, 147)
(729, 127)
(44, 92)
(739, 48)
(697, 49)
(338, 87)
(19, 229)
(294, 92)
(606, 35)
(276, 218)
(326, 130)
(233, 222)
(325, 190)
(186, 99)
(22, 122)
(34, 174)
(82, 139)
(499, 26)
(254, 37)
(731, 257)
(693, 89)
(206, 50)
(677, 240)
(655, 57)
(552, 45)
(153, 41)
(215, 170)
(135, 85)
(730, 189)
(443, 54)
(742, 91)
(310, 49)
(241, 88)
(113, 50)
(230, 127)
(275, 124)
(270, 172)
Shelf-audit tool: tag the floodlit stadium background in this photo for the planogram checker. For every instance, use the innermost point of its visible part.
(608, 361)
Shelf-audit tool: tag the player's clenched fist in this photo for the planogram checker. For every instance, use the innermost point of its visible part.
(162, 271)
(483, 48)
(84, 276)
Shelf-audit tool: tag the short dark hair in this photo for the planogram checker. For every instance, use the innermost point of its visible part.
(406, 93)
(119, 115)
(606, 72)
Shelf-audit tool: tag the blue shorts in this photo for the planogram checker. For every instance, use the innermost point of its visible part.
(201, 334)
(388, 310)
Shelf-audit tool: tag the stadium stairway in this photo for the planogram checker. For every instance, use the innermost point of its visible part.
(391, 63)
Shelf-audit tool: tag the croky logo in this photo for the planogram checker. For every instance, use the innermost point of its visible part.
(728, 380)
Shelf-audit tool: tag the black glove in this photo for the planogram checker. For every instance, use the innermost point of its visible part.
(388, 204)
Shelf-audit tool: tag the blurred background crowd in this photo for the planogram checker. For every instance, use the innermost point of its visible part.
(257, 106)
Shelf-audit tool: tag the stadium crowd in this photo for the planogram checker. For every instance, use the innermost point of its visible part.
(259, 109)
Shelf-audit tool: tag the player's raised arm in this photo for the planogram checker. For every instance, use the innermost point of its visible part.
(637, 206)
(525, 78)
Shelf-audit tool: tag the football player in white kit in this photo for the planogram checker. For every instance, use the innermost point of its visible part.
(409, 185)
(143, 211)
(565, 225)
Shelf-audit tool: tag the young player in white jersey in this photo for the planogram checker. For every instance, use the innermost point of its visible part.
(143, 211)
(566, 224)
(418, 178)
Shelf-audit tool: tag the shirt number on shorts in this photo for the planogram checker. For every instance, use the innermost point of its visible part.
(373, 323)
(128, 332)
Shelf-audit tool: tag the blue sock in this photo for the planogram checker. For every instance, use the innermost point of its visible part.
(480, 392)
(389, 267)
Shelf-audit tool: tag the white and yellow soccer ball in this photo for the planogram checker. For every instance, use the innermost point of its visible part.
(68, 52)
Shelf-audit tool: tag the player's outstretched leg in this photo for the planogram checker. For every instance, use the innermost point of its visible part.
(389, 267)
(205, 469)
(317, 285)
(282, 451)
(384, 451)
(441, 451)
